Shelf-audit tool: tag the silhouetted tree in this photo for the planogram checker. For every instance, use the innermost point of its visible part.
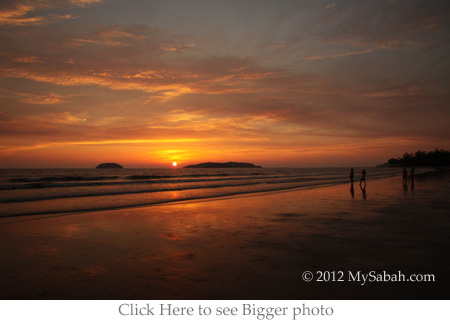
(407, 160)
(437, 158)
(394, 162)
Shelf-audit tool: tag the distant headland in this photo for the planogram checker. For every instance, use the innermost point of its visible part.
(223, 165)
(109, 166)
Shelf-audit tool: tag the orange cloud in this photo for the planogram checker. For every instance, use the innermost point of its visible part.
(83, 3)
(98, 79)
(20, 13)
(50, 98)
(349, 53)
(27, 59)
(112, 37)
(8, 150)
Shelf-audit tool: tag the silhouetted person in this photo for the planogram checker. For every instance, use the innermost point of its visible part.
(405, 176)
(363, 177)
(351, 175)
(412, 175)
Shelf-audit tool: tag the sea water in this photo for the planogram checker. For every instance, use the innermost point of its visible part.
(47, 191)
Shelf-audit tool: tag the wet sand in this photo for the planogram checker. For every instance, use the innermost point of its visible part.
(249, 247)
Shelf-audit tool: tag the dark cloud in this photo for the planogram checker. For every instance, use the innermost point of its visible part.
(403, 24)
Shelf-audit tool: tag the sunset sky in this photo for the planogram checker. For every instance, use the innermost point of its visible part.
(293, 83)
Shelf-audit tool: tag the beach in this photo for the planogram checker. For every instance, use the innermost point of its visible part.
(250, 246)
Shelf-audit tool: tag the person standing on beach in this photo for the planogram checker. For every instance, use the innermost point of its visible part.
(363, 177)
(412, 175)
(351, 176)
(405, 176)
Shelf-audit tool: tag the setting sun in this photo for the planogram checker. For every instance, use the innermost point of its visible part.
(174, 164)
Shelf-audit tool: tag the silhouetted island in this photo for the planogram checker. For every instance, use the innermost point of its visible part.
(109, 166)
(223, 165)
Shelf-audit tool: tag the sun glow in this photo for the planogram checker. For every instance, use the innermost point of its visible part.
(174, 164)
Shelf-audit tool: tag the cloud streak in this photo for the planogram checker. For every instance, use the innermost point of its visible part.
(27, 12)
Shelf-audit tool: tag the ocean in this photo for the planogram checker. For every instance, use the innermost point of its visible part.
(50, 191)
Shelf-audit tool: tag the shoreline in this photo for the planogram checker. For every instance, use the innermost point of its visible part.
(187, 200)
(73, 191)
(254, 246)
(162, 203)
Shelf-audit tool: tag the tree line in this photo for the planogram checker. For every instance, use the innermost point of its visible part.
(436, 158)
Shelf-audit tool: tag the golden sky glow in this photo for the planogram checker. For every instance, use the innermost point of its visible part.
(275, 83)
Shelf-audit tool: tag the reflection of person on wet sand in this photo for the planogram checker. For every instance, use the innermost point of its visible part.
(351, 175)
(405, 175)
(363, 189)
(352, 191)
(363, 178)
